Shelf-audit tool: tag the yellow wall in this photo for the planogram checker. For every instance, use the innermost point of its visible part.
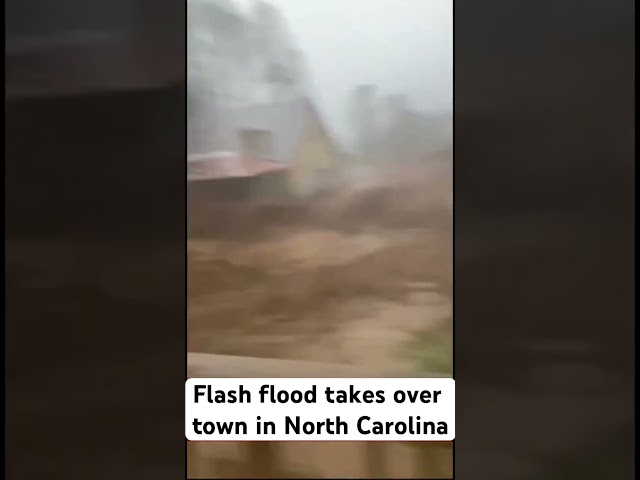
(315, 158)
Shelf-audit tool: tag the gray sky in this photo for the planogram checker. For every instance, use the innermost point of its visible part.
(400, 46)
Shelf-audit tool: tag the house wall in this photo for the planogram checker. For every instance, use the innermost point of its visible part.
(316, 162)
(267, 186)
(270, 186)
(196, 168)
(220, 190)
(256, 143)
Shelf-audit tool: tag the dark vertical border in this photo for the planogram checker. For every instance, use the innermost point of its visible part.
(185, 226)
(544, 239)
(95, 242)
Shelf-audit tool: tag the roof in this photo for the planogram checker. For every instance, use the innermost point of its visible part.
(285, 120)
(233, 167)
(200, 157)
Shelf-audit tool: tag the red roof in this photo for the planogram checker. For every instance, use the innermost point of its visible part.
(232, 167)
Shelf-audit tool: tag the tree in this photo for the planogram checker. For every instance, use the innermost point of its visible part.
(300, 71)
(246, 58)
(361, 117)
(279, 65)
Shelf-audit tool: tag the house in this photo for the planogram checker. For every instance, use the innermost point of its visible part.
(284, 148)
(226, 176)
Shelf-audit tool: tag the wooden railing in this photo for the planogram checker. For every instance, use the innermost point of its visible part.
(308, 459)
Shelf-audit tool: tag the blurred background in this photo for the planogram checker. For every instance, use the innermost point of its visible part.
(95, 145)
(320, 197)
(74, 46)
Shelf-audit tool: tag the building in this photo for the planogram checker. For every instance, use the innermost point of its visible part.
(234, 58)
(283, 147)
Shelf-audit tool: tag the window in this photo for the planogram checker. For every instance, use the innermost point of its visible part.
(256, 143)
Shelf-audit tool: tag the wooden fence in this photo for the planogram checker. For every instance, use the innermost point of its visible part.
(432, 460)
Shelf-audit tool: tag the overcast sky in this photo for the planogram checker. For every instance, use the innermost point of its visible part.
(400, 46)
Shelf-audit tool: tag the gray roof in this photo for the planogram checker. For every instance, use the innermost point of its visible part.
(285, 120)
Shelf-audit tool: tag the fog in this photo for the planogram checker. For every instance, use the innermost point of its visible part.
(400, 46)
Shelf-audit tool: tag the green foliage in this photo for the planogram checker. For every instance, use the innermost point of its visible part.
(432, 351)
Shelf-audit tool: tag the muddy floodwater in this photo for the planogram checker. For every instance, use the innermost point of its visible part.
(350, 279)
(353, 279)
